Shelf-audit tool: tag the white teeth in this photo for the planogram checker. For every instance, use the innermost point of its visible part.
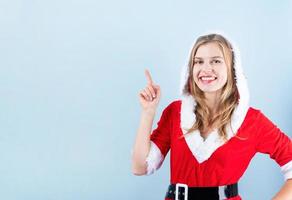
(207, 78)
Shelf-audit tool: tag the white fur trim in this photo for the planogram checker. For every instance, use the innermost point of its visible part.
(287, 170)
(201, 149)
(154, 159)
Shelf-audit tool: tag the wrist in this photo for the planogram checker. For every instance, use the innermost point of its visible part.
(148, 112)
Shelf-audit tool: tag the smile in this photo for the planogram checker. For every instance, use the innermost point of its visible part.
(207, 79)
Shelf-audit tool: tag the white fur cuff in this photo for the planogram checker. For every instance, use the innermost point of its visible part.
(287, 170)
(154, 159)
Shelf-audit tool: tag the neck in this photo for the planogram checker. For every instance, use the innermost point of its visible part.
(212, 100)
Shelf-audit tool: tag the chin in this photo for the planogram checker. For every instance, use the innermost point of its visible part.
(210, 90)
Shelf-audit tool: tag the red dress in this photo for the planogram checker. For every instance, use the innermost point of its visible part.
(213, 161)
(227, 163)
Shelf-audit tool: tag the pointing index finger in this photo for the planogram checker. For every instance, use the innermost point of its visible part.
(148, 77)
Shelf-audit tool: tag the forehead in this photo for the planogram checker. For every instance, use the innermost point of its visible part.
(209, 50)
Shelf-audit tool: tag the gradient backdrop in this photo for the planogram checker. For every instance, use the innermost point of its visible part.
(70, 73)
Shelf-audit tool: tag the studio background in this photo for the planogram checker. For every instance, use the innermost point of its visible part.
(71, 71)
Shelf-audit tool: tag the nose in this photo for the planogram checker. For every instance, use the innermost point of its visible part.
(207, 67)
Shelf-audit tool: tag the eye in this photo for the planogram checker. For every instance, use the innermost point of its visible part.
(198, 62)
(216, 61)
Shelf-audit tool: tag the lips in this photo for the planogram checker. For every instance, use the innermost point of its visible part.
(207, 79)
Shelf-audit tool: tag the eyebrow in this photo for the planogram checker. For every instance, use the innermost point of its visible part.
(210, 57)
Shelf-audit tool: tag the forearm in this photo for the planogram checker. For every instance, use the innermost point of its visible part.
(285, 192)
(142, 143)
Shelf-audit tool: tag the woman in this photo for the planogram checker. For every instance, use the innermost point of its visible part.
(212, 132)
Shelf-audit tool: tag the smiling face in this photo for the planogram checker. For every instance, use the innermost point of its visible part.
(210, 68)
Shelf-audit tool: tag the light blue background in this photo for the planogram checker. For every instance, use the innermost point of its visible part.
(70, 73)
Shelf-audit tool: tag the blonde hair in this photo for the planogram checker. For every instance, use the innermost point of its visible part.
(229, 93)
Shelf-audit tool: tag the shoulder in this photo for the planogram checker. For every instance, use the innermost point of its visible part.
(253, 113)
(172, 107)
(257, 118)
(253, 110)
(252, 122)
(256, 113)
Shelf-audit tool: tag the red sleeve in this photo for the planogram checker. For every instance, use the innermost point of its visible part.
(161, 134)
(271, 140)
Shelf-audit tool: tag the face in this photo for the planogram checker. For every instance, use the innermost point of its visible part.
(210, 69)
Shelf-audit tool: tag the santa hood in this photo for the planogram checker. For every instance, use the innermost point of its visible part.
(203, 149)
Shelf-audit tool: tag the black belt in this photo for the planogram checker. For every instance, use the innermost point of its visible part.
(201, 193)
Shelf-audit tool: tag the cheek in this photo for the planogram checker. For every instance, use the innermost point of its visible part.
(224, 79)
(195, 78)
(224, 76)
(223, 73)
(195, 73)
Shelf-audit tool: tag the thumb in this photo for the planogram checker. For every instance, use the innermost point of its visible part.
(157, 89)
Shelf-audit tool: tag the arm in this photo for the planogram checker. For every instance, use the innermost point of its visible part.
(142, 144)
(147, 159)
(149, 99)
(272, 141)
(285, 192)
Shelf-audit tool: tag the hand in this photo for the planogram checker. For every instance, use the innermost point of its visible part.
(149, 97)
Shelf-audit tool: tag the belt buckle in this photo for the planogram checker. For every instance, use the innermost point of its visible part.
(228, 191)
(221, 191)
(177, 186)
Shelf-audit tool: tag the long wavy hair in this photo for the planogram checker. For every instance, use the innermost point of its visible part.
(229, 94)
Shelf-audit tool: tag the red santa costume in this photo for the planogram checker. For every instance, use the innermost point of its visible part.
(213, 162)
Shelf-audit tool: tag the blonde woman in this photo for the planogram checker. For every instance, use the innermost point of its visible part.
(212, 131)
